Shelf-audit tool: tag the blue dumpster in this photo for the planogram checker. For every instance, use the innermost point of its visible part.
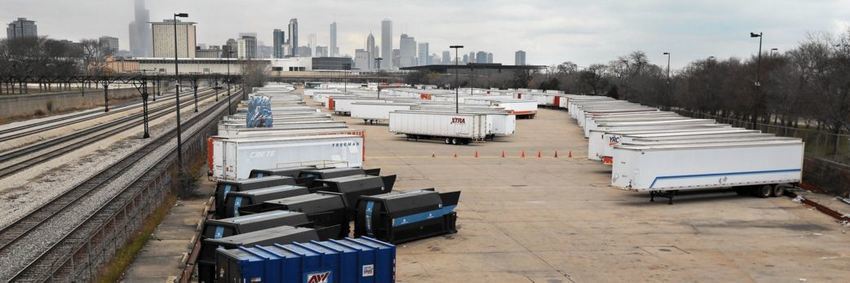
(347, 260)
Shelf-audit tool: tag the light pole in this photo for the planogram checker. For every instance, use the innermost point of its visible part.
(758, 62)
(772, 50)
(177, 95)
(229, 107)
(669, 93)
(457, 78)
(378, 63)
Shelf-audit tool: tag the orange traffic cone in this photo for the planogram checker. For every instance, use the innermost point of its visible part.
(503, 154)
(556, 154)
(476, 154)
(455, 154)
(522, 154)
(539, 154)
(433, 155)
(571, 154)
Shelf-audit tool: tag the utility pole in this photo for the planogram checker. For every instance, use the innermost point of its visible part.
(177, 95)
(457, 78)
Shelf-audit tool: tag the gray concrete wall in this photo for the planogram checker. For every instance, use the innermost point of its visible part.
(25, 105)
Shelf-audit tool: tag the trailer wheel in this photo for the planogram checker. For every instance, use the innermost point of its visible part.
(454, 141)
(448, 141)
(764, 191)
(778, 191)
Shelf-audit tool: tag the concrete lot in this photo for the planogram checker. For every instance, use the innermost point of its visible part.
(557, 219)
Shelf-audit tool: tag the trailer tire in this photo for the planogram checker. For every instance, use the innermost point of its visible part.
(764, 191)
(778, 191)
(448, 141)
(454, 141)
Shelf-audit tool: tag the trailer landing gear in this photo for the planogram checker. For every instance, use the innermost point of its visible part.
(662, 194)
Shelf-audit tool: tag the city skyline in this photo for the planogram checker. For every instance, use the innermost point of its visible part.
(592, 33)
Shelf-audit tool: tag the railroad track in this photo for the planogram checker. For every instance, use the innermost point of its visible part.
(34, 128)
(62, 145)
(46, 262)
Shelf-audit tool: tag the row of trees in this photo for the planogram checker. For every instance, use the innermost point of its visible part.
(28, 59)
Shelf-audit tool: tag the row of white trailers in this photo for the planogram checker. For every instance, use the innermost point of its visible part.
(663, 153)
(300, 136)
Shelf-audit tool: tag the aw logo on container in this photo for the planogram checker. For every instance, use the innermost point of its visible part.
(319, 277)
(458, 120)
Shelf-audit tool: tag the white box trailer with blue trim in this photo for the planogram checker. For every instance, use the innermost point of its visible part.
(453, 128)
(376, 112)
(234, 158)
(615, 139)
(667, 121)
(596, 142)
(761, 167)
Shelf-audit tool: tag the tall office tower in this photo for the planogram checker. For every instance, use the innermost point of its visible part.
(424, 58)
(481, 57)
(321, 51)
(279, 39)
(108, 44)
(407, 51)
(387, 45)
(361, 59)
(21, 28)
(447, 57)
(334, 50)
(293, 37)
(465, 59)
(489, 57)
(471, 57)
(232, 46)
(372, 49)
(311, 41)
(396, 58)
(163, 39)
(519, 58)
(141, 44)
(247, 46)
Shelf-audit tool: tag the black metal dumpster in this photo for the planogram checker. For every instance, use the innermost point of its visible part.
(224, 187)
(352, 187)
(406, 216)
(286, 171)
(235, 200)
(324, 209)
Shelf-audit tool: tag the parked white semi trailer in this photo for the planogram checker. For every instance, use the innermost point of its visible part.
(760, 167)
(376, 112)
(234, 158)
(452, 128)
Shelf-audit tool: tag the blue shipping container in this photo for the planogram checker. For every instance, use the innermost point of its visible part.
(347, 260)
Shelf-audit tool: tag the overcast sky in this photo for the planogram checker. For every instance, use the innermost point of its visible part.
(550, 31)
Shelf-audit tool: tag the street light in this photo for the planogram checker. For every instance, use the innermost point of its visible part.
(177, 95)
(378, 63)
(457, 78)
(774, 50)
(229, 106)
(758, 63)
(668, 66)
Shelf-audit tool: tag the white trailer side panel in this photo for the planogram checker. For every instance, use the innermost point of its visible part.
(705, 167)
(463, 125)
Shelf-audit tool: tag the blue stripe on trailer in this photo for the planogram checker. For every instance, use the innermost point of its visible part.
(413, 218)
(722, 174)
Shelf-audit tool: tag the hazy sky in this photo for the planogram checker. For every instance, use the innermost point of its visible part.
(550, 31)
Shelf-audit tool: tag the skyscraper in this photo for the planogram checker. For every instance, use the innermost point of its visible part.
(447, 57)
(481, 57)
(372, 49)
(387, 44)
(108, 44)
(247, 46)
(163, 39)
(519, 58)
(424, 57)
(141, 44)
(21, 28)
(396, 58)
(489, 57)
(361, 60)
(293, 37)
(407, 51)
(279, 39)
(334, 50)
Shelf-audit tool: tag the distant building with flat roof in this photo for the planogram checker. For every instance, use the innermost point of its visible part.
(163, 39)
(519, 58)
(21, 28)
